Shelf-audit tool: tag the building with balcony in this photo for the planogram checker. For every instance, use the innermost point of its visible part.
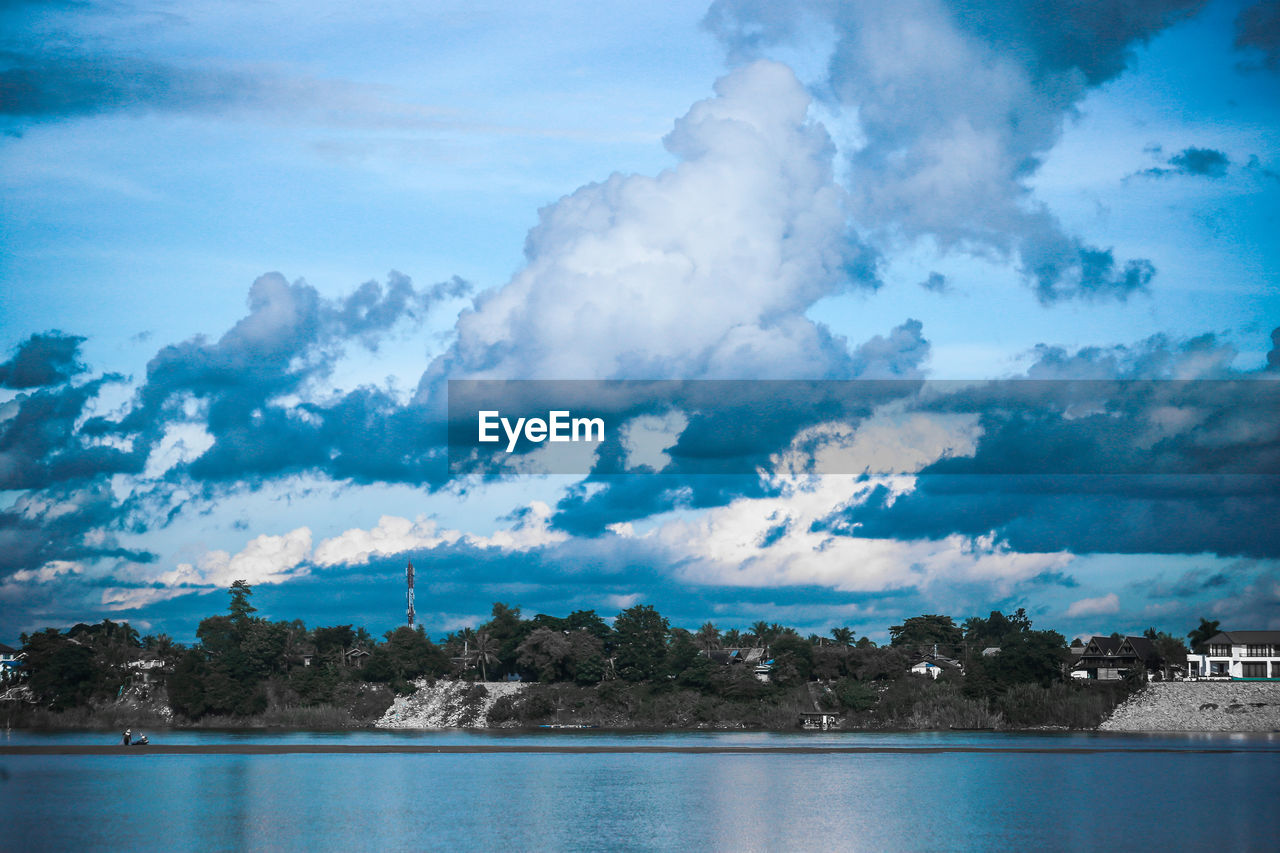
(1239, 655)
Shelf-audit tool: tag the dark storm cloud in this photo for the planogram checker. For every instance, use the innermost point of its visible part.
(1128, 466)
(43, 359)
(1082, 515)
(1258, 29)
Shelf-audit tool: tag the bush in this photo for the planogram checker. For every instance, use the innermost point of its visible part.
(854, 695)
(503, 710)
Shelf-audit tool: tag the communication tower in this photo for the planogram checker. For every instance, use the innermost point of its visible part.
(408, 572)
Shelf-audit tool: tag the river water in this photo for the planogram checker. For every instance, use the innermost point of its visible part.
(929, 791)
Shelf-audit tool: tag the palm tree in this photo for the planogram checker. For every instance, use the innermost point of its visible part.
(708, 637)
(486, 652)
(760, 630)
(843, 636)
(1201, 635)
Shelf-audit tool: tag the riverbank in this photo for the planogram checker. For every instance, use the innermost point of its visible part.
(1199, 706)
(910, 705)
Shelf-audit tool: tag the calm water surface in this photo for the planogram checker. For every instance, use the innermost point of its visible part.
(1117, 799)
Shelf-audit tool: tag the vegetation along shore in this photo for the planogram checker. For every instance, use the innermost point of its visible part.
(993, 672)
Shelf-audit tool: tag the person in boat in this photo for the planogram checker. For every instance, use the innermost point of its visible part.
(141, 741)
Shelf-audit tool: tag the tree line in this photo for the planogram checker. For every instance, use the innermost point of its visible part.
(242, 663)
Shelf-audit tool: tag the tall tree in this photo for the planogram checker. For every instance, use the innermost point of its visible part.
(760, 633)
(641, 642)
(240, 608)
(486, 652)
(708, 637)
(1201, 634)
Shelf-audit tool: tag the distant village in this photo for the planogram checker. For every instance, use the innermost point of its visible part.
(993, 671)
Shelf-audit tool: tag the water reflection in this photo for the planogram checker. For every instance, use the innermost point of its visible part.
(952, 801)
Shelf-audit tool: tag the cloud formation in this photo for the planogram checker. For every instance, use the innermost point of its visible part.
(956, 105)
(1197, 162)
(1101, 606)
(705, 270)
(1258, 29)
(43, 359)
(257, 388)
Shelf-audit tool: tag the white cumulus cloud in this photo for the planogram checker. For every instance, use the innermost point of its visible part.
(1109, 603)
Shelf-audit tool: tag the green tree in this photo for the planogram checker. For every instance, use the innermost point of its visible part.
(587, 620)
(641, 637)
(586, 657)
(842, 636)
(407, 654)
(1172, 651)
(792, 660)
(486, 652)
(332, 642)
(507, 629)
(923, 632)
(241, 609)
(1202, 634)
(1035, 657)
(760, 633)
(60, 672)
(685, 664)
(545, 653)
(708, 637)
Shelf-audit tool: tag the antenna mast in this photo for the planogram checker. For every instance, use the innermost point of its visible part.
(409, 578)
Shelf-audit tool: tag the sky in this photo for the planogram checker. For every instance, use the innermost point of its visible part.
(245, 246)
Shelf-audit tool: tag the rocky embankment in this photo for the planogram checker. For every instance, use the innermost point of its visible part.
(1199, 706)
(446, 705)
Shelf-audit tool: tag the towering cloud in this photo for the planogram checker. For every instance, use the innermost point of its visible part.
(955, 105)
(705, 270)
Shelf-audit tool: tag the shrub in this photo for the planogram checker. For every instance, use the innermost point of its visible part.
(854, 695)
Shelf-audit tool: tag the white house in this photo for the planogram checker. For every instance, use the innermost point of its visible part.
(1238, 654)
(10, 661)
(928, 668)
(935, 667)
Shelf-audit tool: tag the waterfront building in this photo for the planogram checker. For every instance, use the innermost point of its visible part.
(1238, 655)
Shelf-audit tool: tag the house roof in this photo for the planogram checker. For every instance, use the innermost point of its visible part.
(1119, 647)
(940, 662)
(7, 650)
(1244, 638)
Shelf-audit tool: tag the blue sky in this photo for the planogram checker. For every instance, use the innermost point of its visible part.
(244, 246)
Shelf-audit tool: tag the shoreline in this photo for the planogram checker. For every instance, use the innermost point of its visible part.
(582, 749)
